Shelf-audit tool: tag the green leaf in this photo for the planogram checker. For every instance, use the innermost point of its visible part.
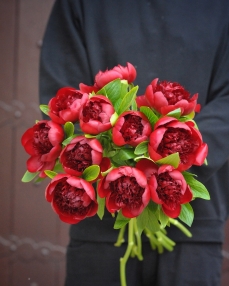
(113, 118)
(101, 206)
(152, 206)
(28, 176)
(69, 129)
(186, 214)
(91, 173)
(187, 117)
(148, 219)
(45, 109)
(134, 105)
(58, 168)
(173, 160)
(152, 117)
(68, 140)
(175, 113)
(50, 174)
(163, 218)
(127, 100)
(89, 136)
(141, 148)
(198, 189)
(120, 220)
(112, 91)
(123, 155)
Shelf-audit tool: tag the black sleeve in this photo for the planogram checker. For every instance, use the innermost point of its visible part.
(213, 120)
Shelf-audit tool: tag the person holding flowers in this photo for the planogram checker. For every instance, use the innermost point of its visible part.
(173, 51)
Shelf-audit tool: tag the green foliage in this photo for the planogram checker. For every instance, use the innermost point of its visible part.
(68, 140)
(120, 220)
(114, 91)
(147, 219)
(28, 176)
(175, 113)
(123, 155)
(50, 174)
(69, 129)
(163, 218)
(91, 173)
(198, 189)
(101, 207)
(127, 100)
(141, 148)
(186, 214)
(152, 117)
(45, 109)
(173, 160)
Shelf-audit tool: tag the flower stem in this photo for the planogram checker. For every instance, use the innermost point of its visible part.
(124, 259)
(139, 241)
(180, 226)
(120, 238)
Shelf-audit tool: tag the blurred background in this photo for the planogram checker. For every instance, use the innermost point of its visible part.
(32, 238)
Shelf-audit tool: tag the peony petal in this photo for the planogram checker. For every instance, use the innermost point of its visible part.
(148, 167)
(172, 213)
(142, 101)
(187, 197)
(201, 154)
(156, 137)
(34, 164)
(153, 187)
(153, 154)
(69, 219)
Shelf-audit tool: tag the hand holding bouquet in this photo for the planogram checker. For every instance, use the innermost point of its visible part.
(131, 155)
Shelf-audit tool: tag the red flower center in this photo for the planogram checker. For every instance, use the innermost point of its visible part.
(92, 111)
(173, 92)
(71, 200)
(177, 140)
(132, 127)
(126, 191)
(64, 102)
(168, 190)
(41, 142)
(79, 158)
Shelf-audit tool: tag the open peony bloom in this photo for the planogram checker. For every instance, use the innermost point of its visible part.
(95, 115)
(81, 153)
(125, 188)
(167, 186)
(171, 136)
(66, 104)
(43, 143)
(72, 198)
(132, 127)
(102, 78)
(165, 97)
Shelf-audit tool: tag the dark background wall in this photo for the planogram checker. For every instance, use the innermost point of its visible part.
(32, 239)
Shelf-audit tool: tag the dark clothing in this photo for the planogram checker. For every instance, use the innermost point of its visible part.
(183, 41)
(167, 269)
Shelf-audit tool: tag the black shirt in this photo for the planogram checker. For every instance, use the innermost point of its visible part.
(183, 41)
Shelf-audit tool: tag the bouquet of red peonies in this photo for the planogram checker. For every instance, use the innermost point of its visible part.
(130, 155)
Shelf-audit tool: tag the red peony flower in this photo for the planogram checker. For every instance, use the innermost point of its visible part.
(125, 188)
(95, 115)
(81, 153)
(72, 198)
(132, 127)
(171, 136)
(165, 97)
(66, 104)
(102, 78)
(43, 143)
(167, 185)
